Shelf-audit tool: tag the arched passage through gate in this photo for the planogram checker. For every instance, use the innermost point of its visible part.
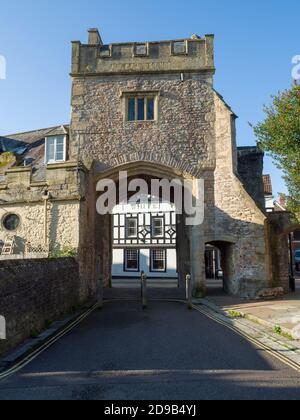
(104, 224)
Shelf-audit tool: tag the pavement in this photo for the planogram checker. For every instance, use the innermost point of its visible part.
(158, 283)
(283, 312)
(163, 353)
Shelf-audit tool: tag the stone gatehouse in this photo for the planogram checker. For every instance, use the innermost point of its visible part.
(149, 109)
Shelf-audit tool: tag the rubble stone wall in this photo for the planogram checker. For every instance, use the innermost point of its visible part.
(34, 293)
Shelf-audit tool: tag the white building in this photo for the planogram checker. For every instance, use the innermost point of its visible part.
(269, 196)
(144, 240)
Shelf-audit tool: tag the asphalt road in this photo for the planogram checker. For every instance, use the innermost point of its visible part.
(164, 353)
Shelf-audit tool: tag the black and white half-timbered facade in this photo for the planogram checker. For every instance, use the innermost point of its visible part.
(144, 240)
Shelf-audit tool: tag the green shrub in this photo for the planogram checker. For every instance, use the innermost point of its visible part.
(277, 329)
(64, 252)
(235, 314)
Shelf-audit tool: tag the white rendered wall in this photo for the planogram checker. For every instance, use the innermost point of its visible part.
(144, 207)
(118, 265)
(269, 202)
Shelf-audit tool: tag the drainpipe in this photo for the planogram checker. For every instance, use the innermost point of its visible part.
(46, 197)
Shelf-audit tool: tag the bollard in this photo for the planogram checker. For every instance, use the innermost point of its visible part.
(144, 290)
(189, 291)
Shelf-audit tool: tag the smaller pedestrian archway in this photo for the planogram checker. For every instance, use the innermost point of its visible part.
(219, 267)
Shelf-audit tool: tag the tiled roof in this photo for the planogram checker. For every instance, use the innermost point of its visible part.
(36, 135)
(30, 146)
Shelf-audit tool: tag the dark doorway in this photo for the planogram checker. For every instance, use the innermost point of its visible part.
(219, 267)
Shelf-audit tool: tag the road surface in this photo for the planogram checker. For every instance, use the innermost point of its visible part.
(164, 353)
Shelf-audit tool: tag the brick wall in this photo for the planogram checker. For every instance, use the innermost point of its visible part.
(33, 292)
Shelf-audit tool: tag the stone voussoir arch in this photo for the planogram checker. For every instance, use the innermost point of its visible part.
(143, 167)
(163, 159)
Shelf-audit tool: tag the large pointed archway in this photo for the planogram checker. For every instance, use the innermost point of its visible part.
(96, 238)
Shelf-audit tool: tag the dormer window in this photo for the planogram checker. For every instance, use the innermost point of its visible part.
(55, 149)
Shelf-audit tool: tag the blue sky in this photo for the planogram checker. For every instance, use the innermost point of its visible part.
(255, 43)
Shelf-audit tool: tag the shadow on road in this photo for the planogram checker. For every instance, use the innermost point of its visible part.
(165, 352)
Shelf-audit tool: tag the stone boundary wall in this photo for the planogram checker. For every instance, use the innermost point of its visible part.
(33, 293)
(281, 225)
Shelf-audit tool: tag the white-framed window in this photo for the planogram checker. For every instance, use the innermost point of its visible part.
(132, 227)
(158, 260)
(158, 227)
(132, 260)
(55, 149)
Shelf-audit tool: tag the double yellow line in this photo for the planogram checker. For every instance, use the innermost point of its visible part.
(36, 353)
(28, 359)
(269, 350)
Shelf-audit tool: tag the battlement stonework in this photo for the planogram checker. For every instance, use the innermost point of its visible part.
(95, 58)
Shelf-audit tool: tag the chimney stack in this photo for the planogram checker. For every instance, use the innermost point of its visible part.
(282, 200)
(94, 37)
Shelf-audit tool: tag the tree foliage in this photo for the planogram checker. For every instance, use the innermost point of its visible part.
(279, 135)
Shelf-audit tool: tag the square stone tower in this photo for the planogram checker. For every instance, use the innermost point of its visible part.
(175, 75)
(150, 108)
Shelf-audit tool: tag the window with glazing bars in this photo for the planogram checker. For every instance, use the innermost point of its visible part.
(158, 260)
(55, 150)
(131, 227)
(131, 260)
(140, 108)
(158, 227)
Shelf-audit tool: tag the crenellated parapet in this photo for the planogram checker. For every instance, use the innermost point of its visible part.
(184, 55)
(62, 180)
